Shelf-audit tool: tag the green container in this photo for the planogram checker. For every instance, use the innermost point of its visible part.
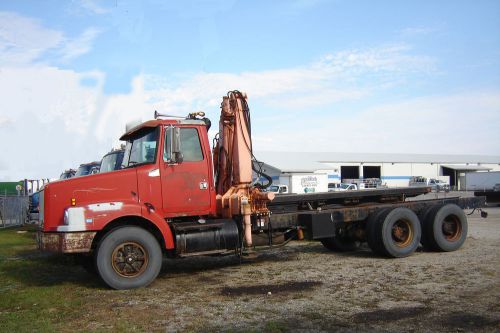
(9, 188)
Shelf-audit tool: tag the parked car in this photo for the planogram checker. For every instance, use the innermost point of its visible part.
(87, 169)
(112, 161)
(347, 187)
(439, 185)
(279, 189)
(496, 187)
(436, 185)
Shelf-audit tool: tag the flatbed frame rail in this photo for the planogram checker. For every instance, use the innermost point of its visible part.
(297, 214)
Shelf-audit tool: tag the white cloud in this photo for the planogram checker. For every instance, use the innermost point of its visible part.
(4, 121)
(464, 123)
(93, 7)
(334, 78)
(414, 31)
(23, 40)
(51, 120)
(74, 48)
(392, 58)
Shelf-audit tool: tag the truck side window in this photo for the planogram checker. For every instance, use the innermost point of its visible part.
(190, 146)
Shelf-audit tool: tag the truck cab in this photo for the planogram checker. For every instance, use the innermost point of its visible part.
(161, 183)
(153, 184)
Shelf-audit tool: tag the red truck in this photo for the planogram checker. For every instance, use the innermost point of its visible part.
(176, 197)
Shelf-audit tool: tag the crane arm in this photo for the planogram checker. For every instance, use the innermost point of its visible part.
(232, 155)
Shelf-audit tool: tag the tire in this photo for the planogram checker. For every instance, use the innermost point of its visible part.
(423, 216)
(445, 228)
(340, 244)
(371, 235)
(395, 233)
(128, 257)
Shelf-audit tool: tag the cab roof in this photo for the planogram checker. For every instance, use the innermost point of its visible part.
(157, 122)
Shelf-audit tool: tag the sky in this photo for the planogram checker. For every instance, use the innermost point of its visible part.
(324, 76)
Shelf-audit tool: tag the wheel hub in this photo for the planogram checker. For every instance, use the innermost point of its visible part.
(452, 229)
(402, 233)
(129, 259)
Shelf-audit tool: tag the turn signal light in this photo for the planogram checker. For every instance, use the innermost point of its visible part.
(73, 202)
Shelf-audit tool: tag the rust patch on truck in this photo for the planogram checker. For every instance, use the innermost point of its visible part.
(74, 242)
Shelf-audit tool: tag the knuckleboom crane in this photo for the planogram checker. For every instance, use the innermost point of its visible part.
(233, 163)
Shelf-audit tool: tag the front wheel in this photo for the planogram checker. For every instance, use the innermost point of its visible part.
(128, 257)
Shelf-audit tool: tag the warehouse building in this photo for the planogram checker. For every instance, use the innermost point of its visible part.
(393, 170)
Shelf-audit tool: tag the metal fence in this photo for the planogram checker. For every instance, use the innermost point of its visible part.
(13, 210)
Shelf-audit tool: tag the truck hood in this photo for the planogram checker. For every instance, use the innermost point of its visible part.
(118, 186)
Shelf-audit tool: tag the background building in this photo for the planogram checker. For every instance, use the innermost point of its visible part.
(393, 169)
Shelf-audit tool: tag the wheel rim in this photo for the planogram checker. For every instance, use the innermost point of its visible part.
(451, 228)
(129, 259)
(402, 233)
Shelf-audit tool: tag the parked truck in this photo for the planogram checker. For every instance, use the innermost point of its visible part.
(177, 198)
(485, 184)
(481, 181)
(305, 182)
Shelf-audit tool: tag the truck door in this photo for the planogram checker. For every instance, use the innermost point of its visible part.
(185, 185)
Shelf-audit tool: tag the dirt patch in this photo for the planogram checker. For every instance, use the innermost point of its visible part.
(468, 321)
(390, 314)
(270, 289)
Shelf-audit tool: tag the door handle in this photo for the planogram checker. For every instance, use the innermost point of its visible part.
(203, 185)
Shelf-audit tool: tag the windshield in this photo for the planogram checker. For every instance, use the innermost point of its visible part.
(84, 170)
(344, 186)
(67, 174)
(141, 148)
(112, 161)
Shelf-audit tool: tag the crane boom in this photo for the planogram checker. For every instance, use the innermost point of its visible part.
(232, 155)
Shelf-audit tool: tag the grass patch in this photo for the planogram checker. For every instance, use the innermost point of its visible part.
(36, 291)
(275, 327)
(16, 240)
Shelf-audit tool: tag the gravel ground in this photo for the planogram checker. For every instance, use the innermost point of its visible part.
(305, 288)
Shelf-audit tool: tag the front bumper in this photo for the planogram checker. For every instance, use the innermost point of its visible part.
(65, 242)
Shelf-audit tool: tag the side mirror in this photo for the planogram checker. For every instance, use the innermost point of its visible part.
(174, 145)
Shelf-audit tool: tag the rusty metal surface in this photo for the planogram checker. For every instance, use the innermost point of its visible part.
(299, 202)
(74, 242)
(348, 214)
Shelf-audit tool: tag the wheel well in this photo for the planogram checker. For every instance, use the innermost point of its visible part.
(126, 221)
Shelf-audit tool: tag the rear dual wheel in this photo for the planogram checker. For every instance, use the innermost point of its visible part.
(444, 228)
(394, 232)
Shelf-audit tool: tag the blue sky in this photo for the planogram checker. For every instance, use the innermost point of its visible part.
(361, 76)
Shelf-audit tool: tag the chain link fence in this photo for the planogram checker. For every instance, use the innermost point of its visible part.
(13, 210)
